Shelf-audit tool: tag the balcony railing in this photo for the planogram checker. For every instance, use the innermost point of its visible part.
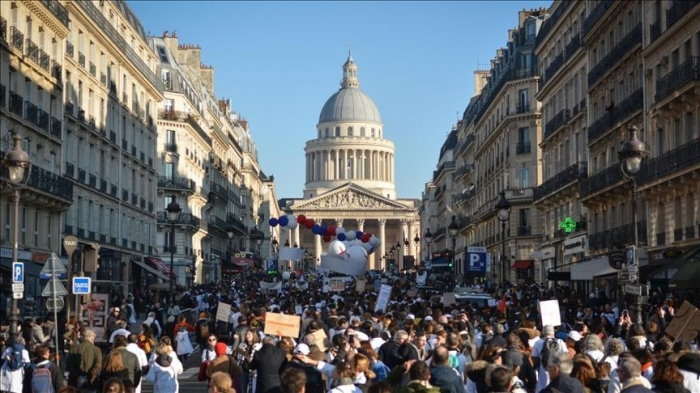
(219, 189)
(2, 96)
(170, 147)
(16, 39)
(70, 50)
(3, 29)
(686, 72)
(620, 50)
(125, 194)
(51, 183)
(103, 78)
(620, 236)
(524, 231)
(552, 20)
(600, 180)
(554, 66)
(595, 15)
(523, 107)
(58, 10)
(32, 51)
(678, 10)
(557, 121)
(671, 162)
(43, 120)
(81, 59)
(523, 148)
(16, 102)
(31, 112)
(93, 69)
(678, 234)
(81, 175)
(654, 31)
(44, 60)
(70, 169)
(661, 239)
(633, 103)
(574, 173)
(56, 127)
(184, 219)
(178, 183)
(57, 72)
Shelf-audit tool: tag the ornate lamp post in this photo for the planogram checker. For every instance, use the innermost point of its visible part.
(428, 236)
(503, 214)
(230, 231)
(453, 230)
(173, 210)
(18, 165)
(416, 241)
(632, 154)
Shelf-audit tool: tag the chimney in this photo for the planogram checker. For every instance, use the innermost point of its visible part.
(481, 77)
(171, 41)
(207, 73)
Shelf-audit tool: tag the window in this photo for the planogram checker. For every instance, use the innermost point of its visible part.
(328, 134)
(372, 133)
(169, 105)
(36, 228)
(523, 177)
(677, 133)
(688, 126)
(362, 132)
(170, 137)
(659, 141)
(524, 218)
(350, 131)
(337, 131)
(169, 170)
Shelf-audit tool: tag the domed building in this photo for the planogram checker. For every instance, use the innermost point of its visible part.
(350, 179)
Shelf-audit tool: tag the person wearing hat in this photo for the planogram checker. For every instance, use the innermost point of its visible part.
(112, 319)
(314, 378)
(571, 341)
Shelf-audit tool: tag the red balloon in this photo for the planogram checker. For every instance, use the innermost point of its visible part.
(301, 219)
(326, 238)
(330, 230)
(365, 237)
(309, 222)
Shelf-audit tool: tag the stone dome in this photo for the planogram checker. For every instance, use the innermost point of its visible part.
(350, 103)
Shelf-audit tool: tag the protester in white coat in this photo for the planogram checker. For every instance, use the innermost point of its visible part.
(164, 370)
(134, 348)
(12, 380)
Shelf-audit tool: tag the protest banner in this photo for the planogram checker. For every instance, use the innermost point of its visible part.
(383, 298)
(685, 324)
(282, 325)
(336, 284)
(223, 311)
(412, 293)
(360, 285)
(448, 298)
(291, 254)
(270, 286)
(549, 312)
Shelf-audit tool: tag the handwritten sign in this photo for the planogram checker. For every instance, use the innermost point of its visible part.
(298, 310)
(549, 310)
(336, 284)
(448, 298)
(686, 323)
(319, 339)
(223, 311)
(383, 298)
(282, 325)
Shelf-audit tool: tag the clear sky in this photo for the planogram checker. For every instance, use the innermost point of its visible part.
(279, 62)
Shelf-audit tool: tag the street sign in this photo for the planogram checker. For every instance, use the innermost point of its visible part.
(54, 288)
(17, 287)
(17, 295)
(617, 258)
(54, 304)
(17, 272)
(631, 256)
(81, 285)
(53, 266)
(70, 243)
(476, 260)
(633, 290)
(536, 255)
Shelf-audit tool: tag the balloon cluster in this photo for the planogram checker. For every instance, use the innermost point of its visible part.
(367, 241)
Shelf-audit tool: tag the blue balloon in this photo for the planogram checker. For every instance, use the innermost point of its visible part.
(316, 229)
(273, 222)
(358, 234)
(341, 236)
(324, 230)
(283, 221)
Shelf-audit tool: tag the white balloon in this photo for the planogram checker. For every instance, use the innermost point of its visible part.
(285, 275)
(292, 223)
(357, 254)
(347, 244)
(336, 248)
(366, 246)
(373, 241)
(357, 242)
(339, 230)
(350, 235)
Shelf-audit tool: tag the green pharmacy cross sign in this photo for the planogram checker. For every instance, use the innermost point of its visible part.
(568, 225)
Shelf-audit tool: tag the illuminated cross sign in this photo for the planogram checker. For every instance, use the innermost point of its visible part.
(568, 225)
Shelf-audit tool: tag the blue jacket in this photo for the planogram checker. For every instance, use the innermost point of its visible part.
(446, 378)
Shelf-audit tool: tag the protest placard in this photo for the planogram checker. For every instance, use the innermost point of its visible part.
(298, 310)
(291, 254)
(685, 324)
(336, 284)
(448, 298)
(492, 302)
(549, 311)
(282, 325)
(360, 285)
(383, 298)
(223, 311)
(319, 338)
(412, 293)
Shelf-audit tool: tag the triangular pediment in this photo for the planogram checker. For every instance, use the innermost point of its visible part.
(349, 197)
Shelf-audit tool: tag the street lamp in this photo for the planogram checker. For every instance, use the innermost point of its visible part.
(453, 230)
(632, 153)
(230, 231)
(173, 211)
(18, 165)
(503, 214)
(416, 241)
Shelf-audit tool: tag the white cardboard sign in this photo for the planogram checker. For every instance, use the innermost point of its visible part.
(549, 310)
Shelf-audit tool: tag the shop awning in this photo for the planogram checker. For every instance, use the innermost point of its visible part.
(151, 270)
(587, 270)
(526, 264)
(242, 261)
(159, 265)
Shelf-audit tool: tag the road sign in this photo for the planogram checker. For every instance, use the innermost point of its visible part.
(617, 258)
(54, 288)
(17, 295)
(633, 290)
(53, 266)
(476, 260)
(70, 243)
(81, 285)
(631, 256)
(17, 287)
(536, 255)
(54, 304)
(17, 272)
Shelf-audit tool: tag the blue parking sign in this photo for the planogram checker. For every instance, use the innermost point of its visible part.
(81, 285)
(476, 260)
(17, 272)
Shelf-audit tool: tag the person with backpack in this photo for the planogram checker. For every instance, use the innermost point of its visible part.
(15, 359)
(43, 375)
(543, 349)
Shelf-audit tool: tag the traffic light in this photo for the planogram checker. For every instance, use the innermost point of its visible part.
(91, 255)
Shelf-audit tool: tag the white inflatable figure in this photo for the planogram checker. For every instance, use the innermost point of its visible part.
(338, 249)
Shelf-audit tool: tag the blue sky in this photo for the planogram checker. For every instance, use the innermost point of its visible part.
(279, 62)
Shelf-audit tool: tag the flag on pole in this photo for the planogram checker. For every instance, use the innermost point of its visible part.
(502, 304)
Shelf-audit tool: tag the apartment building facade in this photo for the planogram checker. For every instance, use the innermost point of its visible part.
(31, 106)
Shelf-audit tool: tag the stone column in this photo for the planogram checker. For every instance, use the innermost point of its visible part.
(297, 240)
(361, 224)
(410, 235)
(317, 249)
(382, 244)
(339, 222)
(335, 165)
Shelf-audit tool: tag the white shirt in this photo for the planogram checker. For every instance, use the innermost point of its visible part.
(542, 374)
(118, 332)
(376, 343)
(141, 356)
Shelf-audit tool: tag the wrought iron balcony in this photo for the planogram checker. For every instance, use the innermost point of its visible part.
(56, 127)
(525, 231)
(554, 66)
(43, 120)
(556, 123)
(685, 73)
(93, 69)
(216, 223)
(3, 29)
(523, 107)
(92, 182)
(16, 39)
(113, 190)
(103, 78)
(654, 31)
(125, 194)
(552, 20)
(142, 203)
(170, 249)
(44, 60)
(69, 108)
(580, 107)
(70, 170)
(630, 105)
(31, 112)
(678, 10)
(523, 148)
(595, 15)
(125, 145)
(113, 137)
(70, 50)
(51, 183)
(671, 162)
(220, 190)
(81, 59)
(58, 10)
(170, 147)
(620, 236)
(81, 175)
(134, 199)
(574, 173)
(3, 101)
(32, 50)
(184, 219)
(103, 185)
(607, 177)
(150, 207)
(133, 150)
(16, 102)
(620, 50)
(81, 114)
(176, 183)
